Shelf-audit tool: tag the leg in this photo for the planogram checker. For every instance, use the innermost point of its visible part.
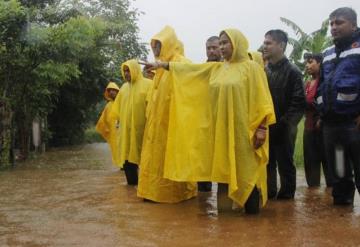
(327, 171)
(224, 203)
(311, 160)
(204, 186)
(272, 173)
(343, 186)
(253, 202)
(131, 173)
(287, 169)
(353, 147)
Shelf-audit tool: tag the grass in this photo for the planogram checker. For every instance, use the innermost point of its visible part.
(91, 136)
(299, 154)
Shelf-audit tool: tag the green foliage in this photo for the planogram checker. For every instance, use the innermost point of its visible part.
(314, 42)
(57, 57)
(299, 150)
(91, 136)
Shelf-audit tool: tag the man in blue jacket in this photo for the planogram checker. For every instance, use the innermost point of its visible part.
(338, 101)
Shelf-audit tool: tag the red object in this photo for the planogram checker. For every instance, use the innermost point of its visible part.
(310, 92)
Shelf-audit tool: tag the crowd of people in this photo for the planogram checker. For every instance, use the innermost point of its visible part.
(177, 127)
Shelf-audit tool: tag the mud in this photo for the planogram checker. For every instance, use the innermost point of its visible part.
(75, 197)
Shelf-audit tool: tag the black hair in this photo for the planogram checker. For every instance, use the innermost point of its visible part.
(346, 12)
(213, 38)
(318, 57)
(279, 36)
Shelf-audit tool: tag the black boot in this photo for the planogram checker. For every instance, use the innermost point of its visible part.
(131, 173)
(252, 205)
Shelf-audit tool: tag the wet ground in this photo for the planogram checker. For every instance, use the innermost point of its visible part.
(74, 197)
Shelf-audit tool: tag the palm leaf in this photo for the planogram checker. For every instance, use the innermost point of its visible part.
(296, 28)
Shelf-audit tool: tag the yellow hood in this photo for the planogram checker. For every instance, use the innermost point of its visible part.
(135, 70)
(111, 85)
(239, 43)
(257, 57)
(180, 48)
(169, 43)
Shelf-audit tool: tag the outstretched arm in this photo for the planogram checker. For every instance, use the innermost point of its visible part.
(155, 65)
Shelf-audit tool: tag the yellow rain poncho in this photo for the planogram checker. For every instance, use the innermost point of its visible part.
(257, 57)
(107, 125)
(129, 109)
(152, 185)
(215, 110)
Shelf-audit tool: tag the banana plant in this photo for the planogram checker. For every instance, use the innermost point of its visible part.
(314, 42)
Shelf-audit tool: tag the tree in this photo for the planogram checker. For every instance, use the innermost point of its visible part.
(314, 42)
(55, 61)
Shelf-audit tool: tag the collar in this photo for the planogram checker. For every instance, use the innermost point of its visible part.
(279, 64)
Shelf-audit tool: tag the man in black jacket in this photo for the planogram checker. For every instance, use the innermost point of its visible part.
(286, 87)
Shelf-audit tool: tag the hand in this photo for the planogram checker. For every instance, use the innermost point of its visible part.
(357, 121)
(318, 124)
(149, 66)
(259, 138)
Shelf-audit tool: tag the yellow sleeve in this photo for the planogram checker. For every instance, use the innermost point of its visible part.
(102, 126)
(261, 107)
(189, 123)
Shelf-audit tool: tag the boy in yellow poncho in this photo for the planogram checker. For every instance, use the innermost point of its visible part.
(219, 115)
(152, 184)
(129, 110)
(107, 125)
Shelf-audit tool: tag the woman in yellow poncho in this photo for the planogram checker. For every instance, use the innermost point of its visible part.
(106, 125)
(129, 110)
(152, 185)
(218, 122)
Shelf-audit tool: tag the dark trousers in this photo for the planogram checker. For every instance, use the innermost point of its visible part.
(342, 150)
(314, 158)
(281, 154)
(204, 186)
(252, 205)
(131, 173)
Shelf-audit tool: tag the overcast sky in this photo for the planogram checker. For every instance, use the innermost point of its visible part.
(196, 20)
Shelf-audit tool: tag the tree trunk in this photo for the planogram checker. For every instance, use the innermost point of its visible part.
(6, 158)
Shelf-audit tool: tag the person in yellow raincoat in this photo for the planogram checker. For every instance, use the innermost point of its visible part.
(129, 110)
(152, 184)
(107, 125)
(219, 115)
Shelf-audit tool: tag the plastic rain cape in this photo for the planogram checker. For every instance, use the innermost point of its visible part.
(107, 126)
(152, 184)
(215, 110)
(129, 109)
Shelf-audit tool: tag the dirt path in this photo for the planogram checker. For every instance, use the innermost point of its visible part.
(74, 197)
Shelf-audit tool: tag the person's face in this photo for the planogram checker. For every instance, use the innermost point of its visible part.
(112, 93)
(272, 48)
(312, 67)
(127, 73)
(156, 48)
(341, 28)
(225, 47)
(213, 50)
